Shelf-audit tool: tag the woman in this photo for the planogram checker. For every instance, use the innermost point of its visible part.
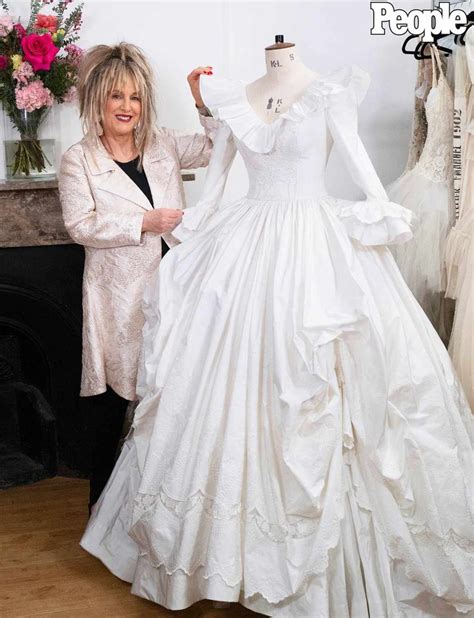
(121, 191)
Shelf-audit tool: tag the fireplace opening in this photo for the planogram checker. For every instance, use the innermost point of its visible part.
(41, 414)
(28, 440)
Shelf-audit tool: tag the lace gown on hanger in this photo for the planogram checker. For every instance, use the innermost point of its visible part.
(459, 246)
(302, 444)
(419, 126)
(426, 190)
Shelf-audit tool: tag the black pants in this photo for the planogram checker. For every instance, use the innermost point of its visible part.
(105, 419)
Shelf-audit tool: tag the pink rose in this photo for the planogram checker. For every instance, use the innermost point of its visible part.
(3, 63)
(20, 31)
(6, 25)
(46, 22)
(39, 50)
(33, 96)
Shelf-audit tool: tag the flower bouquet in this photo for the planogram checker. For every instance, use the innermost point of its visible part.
(38, 66)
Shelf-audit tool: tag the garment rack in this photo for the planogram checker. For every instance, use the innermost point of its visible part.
(469, 3)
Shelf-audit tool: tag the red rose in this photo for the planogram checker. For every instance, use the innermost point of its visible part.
(39, 50)
(3, 63)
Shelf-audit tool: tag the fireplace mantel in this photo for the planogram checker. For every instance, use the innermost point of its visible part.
(30, 213)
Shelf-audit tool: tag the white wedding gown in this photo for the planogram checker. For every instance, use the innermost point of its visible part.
(302, 442)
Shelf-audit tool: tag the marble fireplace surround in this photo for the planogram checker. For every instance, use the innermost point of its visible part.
(30, 213)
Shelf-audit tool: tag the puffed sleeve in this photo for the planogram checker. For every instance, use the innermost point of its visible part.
(376, 220)
(194, 150)
(223, 154)
(84, 224)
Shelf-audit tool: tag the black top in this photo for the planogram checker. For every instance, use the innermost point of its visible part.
(140, 179)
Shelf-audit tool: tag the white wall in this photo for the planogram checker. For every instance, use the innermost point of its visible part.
(231, 36)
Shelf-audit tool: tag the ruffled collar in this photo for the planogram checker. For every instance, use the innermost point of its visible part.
(227, 99)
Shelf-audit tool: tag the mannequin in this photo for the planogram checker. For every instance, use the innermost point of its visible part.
(284, 82)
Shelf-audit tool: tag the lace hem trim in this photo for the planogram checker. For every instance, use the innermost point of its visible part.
(397, 552)
(146, 506)
(395, 547)
(301, 528)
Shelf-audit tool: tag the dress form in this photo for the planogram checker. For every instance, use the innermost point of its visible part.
(283, 83)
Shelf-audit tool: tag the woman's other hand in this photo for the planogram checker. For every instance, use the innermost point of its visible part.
(193, 81)
(161, 220)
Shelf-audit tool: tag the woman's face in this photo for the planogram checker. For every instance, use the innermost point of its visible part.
(122, 110)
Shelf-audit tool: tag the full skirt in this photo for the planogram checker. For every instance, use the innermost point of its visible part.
(302, 444)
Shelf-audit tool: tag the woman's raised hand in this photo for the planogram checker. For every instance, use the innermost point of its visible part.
(161, 220)
(193, 81)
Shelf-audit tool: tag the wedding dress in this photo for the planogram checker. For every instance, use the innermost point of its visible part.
(459, 246)
(426, 190)
(302, 444)
(419, 127)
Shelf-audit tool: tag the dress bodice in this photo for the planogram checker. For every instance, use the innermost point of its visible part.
(286, 159)
(295, 167)
(435, 159)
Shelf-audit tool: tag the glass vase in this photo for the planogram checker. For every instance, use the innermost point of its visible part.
(30, 147)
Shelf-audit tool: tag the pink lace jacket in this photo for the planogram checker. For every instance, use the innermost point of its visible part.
(103, 210)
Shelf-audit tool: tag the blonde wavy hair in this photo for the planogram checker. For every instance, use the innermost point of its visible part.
(104, 68)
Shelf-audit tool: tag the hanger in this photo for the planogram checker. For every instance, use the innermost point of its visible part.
(424, 52)
(459, 39)
(405, 43)
(421, 51)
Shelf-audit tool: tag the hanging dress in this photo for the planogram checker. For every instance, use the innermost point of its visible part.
(459, 248)
(426, 190)
(419, 127)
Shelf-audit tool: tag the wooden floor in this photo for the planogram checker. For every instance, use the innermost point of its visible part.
(44, 572)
